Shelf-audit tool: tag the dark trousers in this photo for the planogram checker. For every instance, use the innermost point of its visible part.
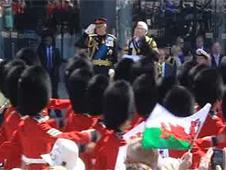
(55, 82)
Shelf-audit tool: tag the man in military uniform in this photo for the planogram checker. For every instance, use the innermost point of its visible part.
(142, 44)
(101, 46)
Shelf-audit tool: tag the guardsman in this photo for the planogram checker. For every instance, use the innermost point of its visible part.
(34, 136)
(118, 110)
(101, 46)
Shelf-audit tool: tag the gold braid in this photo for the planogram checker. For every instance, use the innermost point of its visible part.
(92, 45)
(5, 104)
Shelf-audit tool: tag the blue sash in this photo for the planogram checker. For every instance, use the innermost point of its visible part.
(102, 52)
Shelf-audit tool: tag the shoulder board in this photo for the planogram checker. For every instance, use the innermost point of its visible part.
(110, 35)
(92, 35)
(148, 38)
(24, 117)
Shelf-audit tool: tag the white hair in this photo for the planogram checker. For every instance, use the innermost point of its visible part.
(143, 25)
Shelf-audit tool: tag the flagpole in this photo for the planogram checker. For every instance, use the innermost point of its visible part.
(196, 136)
(198, 131)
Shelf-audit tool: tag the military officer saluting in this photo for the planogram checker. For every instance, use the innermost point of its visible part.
(101, 46)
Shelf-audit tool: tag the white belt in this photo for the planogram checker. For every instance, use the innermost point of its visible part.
(28, 161)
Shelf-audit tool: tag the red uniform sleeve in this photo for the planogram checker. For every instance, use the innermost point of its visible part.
(100, 127)
(106, 157)
(11, 151)
(222, 134)
(59, 104)
(77, 137)
(101, 161)
(212, 126)
(2, 135)
(79, 122)
(53, 123)
(199, 149)
(52, 134)
(9, 125)
(106, 151)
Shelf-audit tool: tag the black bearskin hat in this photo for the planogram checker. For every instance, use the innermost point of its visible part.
(118, 104)
(11, 83)
(34, 90)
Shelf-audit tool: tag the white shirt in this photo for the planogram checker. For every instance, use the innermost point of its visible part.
(216, 58)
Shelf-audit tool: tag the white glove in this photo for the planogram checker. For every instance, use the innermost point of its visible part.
(111, 73)
(90, 29)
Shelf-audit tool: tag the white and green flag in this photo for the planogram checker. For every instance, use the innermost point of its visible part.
(163, 130)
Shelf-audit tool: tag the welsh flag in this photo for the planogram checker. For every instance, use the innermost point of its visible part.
(163, 130)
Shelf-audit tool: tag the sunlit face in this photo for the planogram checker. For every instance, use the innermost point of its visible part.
(139, 31)
(162, 55)
(101, 29)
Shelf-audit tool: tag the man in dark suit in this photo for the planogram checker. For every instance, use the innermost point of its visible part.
(50, 59)
(199, 44)
(216, 55)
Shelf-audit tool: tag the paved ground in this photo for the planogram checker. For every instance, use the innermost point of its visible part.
(61, 89)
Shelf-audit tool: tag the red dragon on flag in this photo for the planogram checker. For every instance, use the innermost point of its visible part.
(179, 132)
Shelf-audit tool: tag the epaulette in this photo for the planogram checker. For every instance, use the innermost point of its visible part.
(24, 117)
(53, 132)
(148, 39)
(92, 35)
(110, 35)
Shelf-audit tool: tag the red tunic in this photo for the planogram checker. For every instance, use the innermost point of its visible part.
(215, 127)
(212, 125)
(12, 120)
(80, 122)
(9, 126)
(10, 123)
(33, 138)
(56, 104)
(106, 150)
(89, 156)
(59, 104)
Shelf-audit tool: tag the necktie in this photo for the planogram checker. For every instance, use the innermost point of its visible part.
(49, 58)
